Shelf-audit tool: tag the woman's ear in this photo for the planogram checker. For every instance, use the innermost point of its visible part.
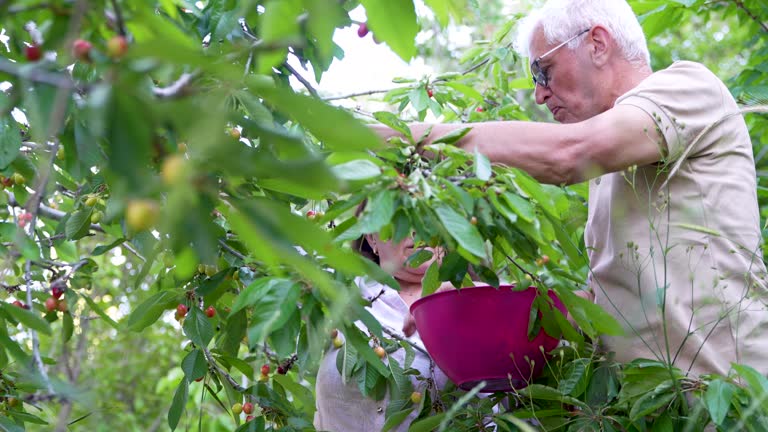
(371, 239)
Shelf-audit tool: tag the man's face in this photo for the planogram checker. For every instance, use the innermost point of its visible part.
(570, 93)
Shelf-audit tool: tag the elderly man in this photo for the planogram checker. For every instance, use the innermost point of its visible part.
(673, 233)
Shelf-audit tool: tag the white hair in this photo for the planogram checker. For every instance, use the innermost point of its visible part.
(563, 19)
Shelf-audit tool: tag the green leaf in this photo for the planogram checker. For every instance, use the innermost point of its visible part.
(99, 311)
(649, 403)
(194, 365)
(468, 91)
(7, 425)
(718, 399)
(361, 169)
(482, 166)
(27, 417)
(461, 230)
(428, 424)
(150, 310)
(322, 120)
(178, 404)
(394, 122)
(67, 326)
(396, 419)
(27, 318)
(431, 281)
(101, 250)
(198, 327)
(520, 206)
(418, 258)
(78, 224)
(758, 384)
(394, 22)
(378, 212)
(346, 358)
(452, 136)
(354, 336)
(10, 141)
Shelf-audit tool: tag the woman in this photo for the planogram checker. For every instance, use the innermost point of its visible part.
(342, 408)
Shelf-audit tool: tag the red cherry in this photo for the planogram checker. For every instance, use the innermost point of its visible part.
(57, 291)
(311, 214)
(81, 49)
(33, 52)
(210, 312)
(430, 93)
(181, 310)
(248, 408)
(249, 418)
(362, 31)
(265, 369)
(281, 370)
(200, 379)
(479, 109)
(51, 304)
(19, 304)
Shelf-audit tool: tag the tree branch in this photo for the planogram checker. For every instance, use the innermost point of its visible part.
(54, 214)
(365, 93)
(35, 74)
(232, 250)
(755, 18)
(119, 18)
(22, 9)
(301, 79)
(179, 88)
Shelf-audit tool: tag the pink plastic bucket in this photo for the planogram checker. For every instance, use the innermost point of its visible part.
(481, 334)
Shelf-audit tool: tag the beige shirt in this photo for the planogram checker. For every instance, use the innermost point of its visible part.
(343, 408)
(686, 257)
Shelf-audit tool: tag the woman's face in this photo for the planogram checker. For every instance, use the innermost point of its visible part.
(392, 257)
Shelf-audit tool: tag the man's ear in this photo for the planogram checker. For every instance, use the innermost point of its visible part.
(602, 45)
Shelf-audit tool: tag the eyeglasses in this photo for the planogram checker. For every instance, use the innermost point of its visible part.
(539, 76)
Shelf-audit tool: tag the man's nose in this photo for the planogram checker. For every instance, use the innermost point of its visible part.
(541, 94)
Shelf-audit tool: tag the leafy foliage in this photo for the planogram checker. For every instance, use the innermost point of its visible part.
(177, 176)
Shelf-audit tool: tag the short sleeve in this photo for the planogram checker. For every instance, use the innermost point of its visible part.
(682, 100)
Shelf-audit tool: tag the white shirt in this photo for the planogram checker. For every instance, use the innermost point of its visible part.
(342, 408)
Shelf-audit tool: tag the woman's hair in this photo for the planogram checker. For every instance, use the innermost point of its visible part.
(563, 19)
(361, 245)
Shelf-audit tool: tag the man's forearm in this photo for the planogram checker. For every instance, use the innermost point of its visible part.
(546, 151)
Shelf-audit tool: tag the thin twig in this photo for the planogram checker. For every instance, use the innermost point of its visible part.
(22, 9)
(54, 214)
(38, 359)
(237, 387)
(61, 81)
(177, 89)
(396, 336)
(365, 93)
(740, 5)
(232, 250)
(301, 79)
(119, 18)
